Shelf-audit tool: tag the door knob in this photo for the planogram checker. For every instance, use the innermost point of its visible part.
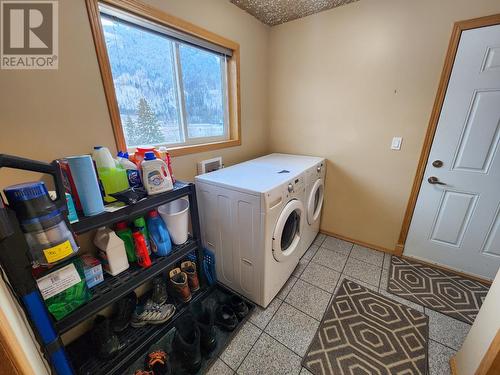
(437, 163)
(435, 181)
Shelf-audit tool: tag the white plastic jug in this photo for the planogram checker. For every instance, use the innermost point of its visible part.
(155, 175)
(111, 251)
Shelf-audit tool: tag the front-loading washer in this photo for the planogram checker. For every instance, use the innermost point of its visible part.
(253, 218)
(313, 169)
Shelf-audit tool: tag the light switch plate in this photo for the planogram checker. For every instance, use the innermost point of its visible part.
(396, 143)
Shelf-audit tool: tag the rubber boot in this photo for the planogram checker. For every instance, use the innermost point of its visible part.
(186, 344)
(206, 323)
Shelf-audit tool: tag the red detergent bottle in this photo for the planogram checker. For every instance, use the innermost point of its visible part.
(141, 250)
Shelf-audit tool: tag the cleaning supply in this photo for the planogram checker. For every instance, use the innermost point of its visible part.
(86, 183)
(165, 155)
(158, 235)
(123, 231)
(92, 269)
(111, 251)
(155, 175)
(48, 237)
(140, 153)
(140, 224)
(113, 177)
(141, 250)
(133, 175)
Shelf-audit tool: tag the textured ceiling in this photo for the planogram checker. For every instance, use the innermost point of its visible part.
(275, 12)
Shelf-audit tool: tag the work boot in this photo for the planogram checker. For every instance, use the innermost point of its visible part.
(186, 344)
(179, 282)
(190, 269)
(206, 323)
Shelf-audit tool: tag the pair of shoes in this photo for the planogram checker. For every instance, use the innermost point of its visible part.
(228, 315)
(104, 339)
(156, 363)
(184, 280)
(152, 313)
(125, 308)
(194, 335)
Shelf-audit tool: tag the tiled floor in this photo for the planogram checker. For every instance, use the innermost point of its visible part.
(275, 339)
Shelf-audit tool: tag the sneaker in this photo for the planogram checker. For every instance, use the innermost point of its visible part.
(152, 313)
(157, 362)
(179, 282)
(159, 291)
(239, 306)
(104, 339)
(125, 308)
(225, 318)
(190, 269)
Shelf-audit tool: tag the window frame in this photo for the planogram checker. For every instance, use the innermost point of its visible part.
(232, 89)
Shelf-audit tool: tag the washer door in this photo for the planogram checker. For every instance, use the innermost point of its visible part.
(315, 202)
(287, 232)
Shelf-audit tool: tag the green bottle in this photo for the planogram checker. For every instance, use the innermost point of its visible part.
(123, 231)
(140, 223)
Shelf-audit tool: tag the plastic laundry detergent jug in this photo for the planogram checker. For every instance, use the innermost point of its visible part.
(158, 234)
(112, 251)
(155, 175)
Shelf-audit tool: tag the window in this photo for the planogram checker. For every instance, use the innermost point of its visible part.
(165, 85)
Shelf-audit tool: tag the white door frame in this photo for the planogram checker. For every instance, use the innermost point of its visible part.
(458, 28)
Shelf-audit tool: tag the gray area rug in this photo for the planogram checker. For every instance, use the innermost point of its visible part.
(364, 332)
(439, 290)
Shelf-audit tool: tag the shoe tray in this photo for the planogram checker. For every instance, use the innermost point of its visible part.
(138, 342)
(218, 294)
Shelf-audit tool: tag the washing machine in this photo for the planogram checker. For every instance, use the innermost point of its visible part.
(313, 169)
(252, 217)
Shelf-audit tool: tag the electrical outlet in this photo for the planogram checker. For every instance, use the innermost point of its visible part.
(396, 143)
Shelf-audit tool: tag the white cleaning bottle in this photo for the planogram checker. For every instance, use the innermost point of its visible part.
(111, 251)
(155, 175)
(133, 175)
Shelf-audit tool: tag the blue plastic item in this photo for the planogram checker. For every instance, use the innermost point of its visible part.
(150, 155)
(208, 265)
(158, 235)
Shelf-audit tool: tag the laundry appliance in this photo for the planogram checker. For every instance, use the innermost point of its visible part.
(253, 218)
(314, 170)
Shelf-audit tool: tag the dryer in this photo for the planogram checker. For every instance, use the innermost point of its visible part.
(313, 169)
(253, 218)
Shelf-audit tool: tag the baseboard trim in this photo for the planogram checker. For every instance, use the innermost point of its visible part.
(438, 266)
(453, 365)
(357, 242)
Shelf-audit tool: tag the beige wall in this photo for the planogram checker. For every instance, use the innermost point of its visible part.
(482, 333)
(50, 114)
(343, 83)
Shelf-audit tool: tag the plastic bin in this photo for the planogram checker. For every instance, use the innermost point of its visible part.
(176, 215)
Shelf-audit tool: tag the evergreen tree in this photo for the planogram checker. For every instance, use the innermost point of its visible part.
(132, 134)
(148, 127)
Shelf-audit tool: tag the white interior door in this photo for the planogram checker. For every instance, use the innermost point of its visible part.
(456, 222)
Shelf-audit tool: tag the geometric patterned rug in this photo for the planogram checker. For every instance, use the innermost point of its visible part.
(364, 332)
(439, 290)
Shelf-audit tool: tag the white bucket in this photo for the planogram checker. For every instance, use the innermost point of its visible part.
(176, 216)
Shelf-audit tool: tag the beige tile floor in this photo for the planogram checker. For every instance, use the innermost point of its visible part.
(275, 339)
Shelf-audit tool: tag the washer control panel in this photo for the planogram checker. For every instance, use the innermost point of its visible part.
(295, 186)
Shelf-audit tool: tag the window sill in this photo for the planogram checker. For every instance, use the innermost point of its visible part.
(203, 147)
